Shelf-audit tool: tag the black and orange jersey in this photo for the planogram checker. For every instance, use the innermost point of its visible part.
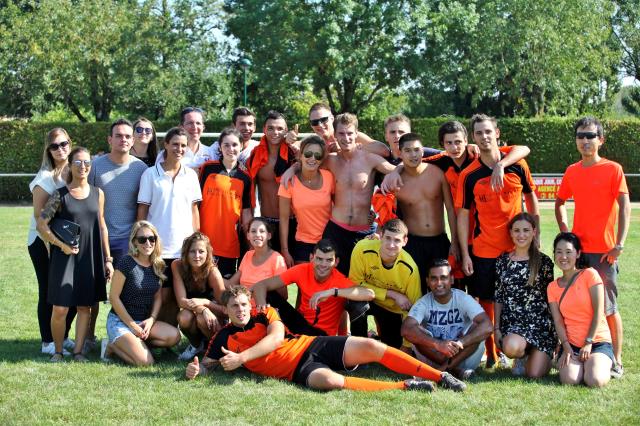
(281, 363)
(224, 195)
(493, 209)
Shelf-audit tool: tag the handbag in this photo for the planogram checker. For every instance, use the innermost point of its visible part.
(68, 232)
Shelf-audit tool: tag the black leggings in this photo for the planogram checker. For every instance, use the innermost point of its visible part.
(290, 316)
(40, 259)
(389, 324)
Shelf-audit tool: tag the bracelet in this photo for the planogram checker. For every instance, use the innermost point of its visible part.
(335, 292)
(108, 259)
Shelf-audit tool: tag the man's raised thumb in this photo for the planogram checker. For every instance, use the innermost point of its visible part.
(195, 360)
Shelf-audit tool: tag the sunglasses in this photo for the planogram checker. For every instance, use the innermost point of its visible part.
(319, 121)
(143, 240)
(80, 163)
(588, 135)
(187, 110)
(57, 146)
(316, 155)
(146, 130)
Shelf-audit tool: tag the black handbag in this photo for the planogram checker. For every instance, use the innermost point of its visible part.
(68, 232)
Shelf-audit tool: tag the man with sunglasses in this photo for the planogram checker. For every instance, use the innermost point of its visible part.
(322, 289)
(322, 123)
(599, 190)
(118, 175)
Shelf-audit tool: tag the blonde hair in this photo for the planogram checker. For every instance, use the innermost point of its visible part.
(155, 257)
(47, 159)
(347, 119)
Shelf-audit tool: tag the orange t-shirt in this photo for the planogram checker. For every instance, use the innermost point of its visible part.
(224, 195)
(493, 209)
(312, 207)
(251, 274)
(330, 309)
(281, 363)
(595, 190)
(577, 310)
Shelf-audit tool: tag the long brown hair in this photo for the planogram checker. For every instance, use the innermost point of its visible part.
(535, 258)
(195, 279)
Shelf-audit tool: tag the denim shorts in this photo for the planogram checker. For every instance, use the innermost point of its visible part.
(116, 328)
(596, 348)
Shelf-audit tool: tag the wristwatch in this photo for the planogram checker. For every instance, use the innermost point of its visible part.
(619, 247)
(335, 292)
(588, 341)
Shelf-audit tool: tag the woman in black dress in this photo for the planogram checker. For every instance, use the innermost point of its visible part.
(523, 324)
(77, 275)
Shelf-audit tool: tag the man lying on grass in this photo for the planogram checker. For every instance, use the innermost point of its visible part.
(262, 344)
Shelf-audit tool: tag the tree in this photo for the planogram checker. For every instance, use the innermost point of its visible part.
(517, 57)
(626, 26)
(351, 53)
(137, 57)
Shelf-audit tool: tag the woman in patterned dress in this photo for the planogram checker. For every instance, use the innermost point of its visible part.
(523, 326)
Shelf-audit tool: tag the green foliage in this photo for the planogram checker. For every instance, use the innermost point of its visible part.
(626, 26)
(515, 57)
(349, 52)
(150, 58)
(631, 101)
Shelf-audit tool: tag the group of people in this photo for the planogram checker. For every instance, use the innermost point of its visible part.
(174, 231)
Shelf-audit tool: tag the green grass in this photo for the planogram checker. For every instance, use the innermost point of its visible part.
(35, 391)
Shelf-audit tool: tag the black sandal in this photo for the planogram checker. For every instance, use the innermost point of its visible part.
(57, 357)
(78, 357)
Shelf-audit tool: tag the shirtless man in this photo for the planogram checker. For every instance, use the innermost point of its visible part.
(394, 127)
(354, 169)
(266, 164)
(421, 198)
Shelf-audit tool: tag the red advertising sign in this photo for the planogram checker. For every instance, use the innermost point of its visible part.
(547, 187)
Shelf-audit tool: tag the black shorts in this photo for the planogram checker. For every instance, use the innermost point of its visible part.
(168, 283)
(301, 251)
(482, 284)
(424, 250)
(227, 266)
(275, 233)
(324, 352)
(345, 241)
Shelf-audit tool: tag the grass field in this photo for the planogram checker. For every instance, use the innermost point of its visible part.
(35, 391)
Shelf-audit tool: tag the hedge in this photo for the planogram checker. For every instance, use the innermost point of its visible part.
(550, 139)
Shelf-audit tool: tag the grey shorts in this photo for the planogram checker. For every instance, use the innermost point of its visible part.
(116, 328)
(609, 275)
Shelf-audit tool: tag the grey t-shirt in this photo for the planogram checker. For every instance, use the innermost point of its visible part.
(449, 321)
(120, 183)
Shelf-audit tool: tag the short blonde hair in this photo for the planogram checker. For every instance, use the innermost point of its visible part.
(347, 119)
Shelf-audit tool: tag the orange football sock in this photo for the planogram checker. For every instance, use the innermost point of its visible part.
(400, 362)
(367, 385)
(490, 343)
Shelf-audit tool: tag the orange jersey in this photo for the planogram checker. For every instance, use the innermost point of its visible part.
(493, 209)
(330, 309)
(281, 363)
(595, 190)
(224, 195)
(577, 310)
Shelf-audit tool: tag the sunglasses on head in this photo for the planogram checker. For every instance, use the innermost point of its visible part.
(316, 155)
(319, 121)
(57, 146)
(150, 238)
(78, 163)
(187, 110)
(588, 135)
(146, 130)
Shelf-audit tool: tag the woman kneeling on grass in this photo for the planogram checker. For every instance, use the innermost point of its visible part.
(524, 327)
(136, 299)
(198, 285)
(577, 305)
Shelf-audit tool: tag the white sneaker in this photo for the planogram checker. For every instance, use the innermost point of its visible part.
(190, 352)
(69, 344)
(103, 351)
(50, 349)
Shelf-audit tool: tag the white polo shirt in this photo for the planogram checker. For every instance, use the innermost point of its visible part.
(192, 159)
(170, 202)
